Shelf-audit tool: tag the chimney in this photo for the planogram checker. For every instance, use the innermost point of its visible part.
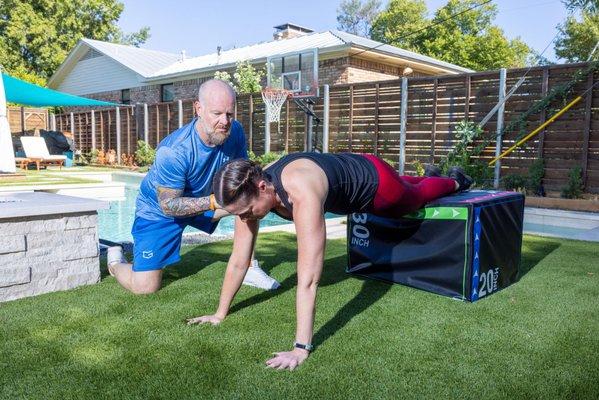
(183, 56)
(218, 50)
(288, 31)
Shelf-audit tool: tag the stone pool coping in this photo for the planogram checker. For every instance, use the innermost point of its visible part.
(22, 204)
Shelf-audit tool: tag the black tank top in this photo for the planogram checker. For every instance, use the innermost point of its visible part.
(352, 178)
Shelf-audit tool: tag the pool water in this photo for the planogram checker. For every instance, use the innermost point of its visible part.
(552, 230)
(115, 223)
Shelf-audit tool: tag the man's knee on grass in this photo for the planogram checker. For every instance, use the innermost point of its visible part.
(146, 282)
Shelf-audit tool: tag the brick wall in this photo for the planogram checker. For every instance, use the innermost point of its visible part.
(333, 71)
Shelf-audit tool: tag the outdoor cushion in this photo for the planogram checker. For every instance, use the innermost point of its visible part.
(35, 147)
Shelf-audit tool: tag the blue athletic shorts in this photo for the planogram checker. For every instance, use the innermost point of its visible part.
(156, 243)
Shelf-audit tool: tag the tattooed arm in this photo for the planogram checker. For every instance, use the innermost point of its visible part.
(174, 205)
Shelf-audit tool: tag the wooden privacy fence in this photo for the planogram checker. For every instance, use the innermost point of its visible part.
(367, 118)
(26, 119)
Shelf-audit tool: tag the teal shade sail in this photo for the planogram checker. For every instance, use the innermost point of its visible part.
(21, 92)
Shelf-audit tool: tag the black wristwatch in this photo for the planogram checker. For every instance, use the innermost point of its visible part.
(302, 346)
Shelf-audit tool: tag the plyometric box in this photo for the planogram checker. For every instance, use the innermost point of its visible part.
(465, 246)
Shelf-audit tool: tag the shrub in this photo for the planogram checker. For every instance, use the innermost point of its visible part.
(418, 167)
(266, 158)
(536, 172)
(223, 76)
(145, 154)
(574, 188)
(81, 159)
(92, 156)
(462, 153)
(246, 79)
(514, 182)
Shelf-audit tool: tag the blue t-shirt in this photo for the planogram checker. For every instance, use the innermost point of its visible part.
(184, 162)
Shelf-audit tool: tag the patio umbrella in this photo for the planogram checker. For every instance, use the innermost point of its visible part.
(7, 155)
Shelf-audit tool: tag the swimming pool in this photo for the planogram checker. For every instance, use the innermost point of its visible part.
(115, 223)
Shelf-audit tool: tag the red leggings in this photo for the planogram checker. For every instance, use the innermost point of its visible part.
(399, 195)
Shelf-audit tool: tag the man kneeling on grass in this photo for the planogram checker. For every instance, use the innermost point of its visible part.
(176, 192)
(301, 187)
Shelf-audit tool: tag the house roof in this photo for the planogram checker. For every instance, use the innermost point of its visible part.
(144, 62)
(154, 65)
(323, 41)
(141, 61)
(373, 45)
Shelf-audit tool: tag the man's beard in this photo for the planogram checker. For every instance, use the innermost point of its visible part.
(215, 138)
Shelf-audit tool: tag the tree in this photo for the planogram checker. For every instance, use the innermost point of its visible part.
(461, 32)
(578, 36)
(37, 35)
(591, 6)
(355, 17)
(577, 39)
(401, 24)
(246, 79)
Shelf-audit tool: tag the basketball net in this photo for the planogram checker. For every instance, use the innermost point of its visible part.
(273, 100)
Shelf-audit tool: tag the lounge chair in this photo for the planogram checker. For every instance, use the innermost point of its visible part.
(36, 150)
(22, 162)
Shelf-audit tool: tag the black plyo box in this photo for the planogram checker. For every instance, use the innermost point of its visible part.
(465, 246)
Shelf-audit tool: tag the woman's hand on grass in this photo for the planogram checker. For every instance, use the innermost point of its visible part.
(288, 359)
(205, 319)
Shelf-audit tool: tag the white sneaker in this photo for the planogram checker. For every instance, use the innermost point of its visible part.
(256, 277)
(114, 255)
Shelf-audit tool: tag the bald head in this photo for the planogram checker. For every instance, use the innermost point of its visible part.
(215, 109)
(215, 89)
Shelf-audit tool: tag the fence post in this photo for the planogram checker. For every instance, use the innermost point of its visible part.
(157, 124)
(376, 119)
(309, 130)
(544, 89)
(434, 120)
(146, 128)
(287, 126)
(351, 118)
(500, 112)
(325, 123)
(251, 132)
(138, 123)
(53, 121)
(118, 135)
(129, 110)
(73, 129)
(22, 120)
(180, 110)
(403, 124)
(266, 131)
(93, 129)
(587, 130)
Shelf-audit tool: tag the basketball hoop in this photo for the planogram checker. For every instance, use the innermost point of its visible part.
(273, 100)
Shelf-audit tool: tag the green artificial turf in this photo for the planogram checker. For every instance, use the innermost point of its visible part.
(45, 177)
(538, 339)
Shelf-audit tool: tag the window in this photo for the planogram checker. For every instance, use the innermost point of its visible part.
(167, 92)
(126, 96)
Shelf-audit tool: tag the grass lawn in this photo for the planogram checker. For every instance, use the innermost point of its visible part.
(538, 339)
(45, 177)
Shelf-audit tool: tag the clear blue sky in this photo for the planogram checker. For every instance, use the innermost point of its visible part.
(199, 26)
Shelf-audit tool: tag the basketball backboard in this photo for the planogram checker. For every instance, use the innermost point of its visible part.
(296, 72)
